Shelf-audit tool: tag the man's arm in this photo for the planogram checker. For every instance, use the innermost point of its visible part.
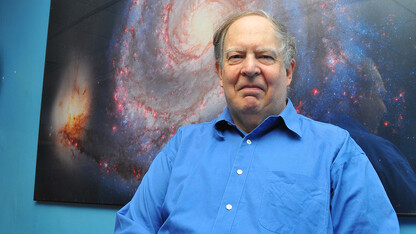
(359, 203)
(143, 214)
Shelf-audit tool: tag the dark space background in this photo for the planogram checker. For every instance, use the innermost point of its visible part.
(122, 76)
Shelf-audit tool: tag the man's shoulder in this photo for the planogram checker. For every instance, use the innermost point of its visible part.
(323, 129)
(331, 136)
(201, 128)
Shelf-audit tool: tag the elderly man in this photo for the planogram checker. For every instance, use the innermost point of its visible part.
(259, 167)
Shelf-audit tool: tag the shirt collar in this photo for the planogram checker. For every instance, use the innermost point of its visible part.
(291, 118)
(225, 116)
(289, 115)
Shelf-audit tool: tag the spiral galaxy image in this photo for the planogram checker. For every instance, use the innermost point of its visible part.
(122, 76)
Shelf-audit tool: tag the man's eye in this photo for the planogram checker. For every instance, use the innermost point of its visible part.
(267, 59)
(235, 58)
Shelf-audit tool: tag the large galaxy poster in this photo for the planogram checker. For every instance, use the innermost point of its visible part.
(122, 76)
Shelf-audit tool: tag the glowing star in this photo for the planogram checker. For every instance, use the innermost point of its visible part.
(72, 107)
(200, 27)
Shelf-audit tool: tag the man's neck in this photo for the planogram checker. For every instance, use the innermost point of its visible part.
(247, 122)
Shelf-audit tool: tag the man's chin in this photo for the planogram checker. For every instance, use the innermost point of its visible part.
(248, 106)
(251, 108)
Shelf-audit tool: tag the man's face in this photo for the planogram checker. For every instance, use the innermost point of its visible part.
(253, 75)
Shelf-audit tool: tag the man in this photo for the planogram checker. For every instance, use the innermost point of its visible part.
(259, 167)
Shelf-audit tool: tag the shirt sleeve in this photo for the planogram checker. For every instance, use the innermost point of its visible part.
(143, 214)
(359, 203)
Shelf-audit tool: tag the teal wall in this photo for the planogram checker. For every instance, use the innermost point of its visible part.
(23, 32)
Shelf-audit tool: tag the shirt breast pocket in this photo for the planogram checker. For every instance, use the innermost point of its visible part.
(293, 203)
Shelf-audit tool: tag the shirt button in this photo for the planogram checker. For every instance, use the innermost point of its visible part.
(239, 171)
(229, 207)
(248, 142)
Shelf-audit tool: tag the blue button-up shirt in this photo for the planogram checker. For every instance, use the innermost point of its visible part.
(289, 175)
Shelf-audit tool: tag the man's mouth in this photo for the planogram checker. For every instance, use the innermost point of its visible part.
(251, 88)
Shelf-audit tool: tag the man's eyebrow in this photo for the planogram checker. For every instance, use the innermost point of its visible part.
(233, 49)
(258, 50)
(268, 50)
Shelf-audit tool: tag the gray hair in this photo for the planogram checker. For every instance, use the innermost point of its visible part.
(287, 43)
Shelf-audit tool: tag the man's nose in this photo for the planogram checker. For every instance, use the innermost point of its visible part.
(250, 67)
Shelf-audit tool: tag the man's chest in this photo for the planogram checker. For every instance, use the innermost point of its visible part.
(248, 184)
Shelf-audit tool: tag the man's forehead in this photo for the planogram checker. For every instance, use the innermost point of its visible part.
(258, 21)
(259, 33)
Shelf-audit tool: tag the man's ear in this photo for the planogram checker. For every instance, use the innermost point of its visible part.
(289, 72)
(219, 72)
